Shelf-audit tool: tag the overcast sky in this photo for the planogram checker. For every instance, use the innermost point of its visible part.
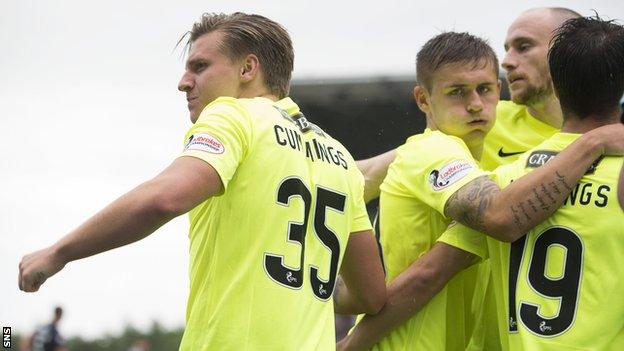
(89, 109)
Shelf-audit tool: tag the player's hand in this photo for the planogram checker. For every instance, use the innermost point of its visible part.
(612, 138)
(36, 267)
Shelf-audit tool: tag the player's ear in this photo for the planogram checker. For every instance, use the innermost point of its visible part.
(250, 68)
(499, 84)
(556, 92)
(421, 95)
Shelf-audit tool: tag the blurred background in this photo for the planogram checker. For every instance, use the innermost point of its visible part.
(89, 109)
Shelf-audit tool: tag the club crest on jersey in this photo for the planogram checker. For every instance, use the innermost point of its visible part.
(449, 174)
(204, 142)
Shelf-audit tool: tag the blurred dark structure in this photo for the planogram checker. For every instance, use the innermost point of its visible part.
(368, 115)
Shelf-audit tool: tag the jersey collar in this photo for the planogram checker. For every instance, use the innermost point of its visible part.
(288, 105)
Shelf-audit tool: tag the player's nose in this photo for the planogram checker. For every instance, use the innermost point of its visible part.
(509, 61)
(186, 82)
(475, 104)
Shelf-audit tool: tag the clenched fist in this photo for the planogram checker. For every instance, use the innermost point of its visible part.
(36, 267)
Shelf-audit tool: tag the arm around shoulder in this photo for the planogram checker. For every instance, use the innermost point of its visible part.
(508, 214)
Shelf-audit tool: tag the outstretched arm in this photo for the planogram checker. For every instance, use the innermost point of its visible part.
(180, 187)
(374, 170)
(408, 293)
(509, 213)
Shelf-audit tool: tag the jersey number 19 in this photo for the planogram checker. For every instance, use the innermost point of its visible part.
(564, 288)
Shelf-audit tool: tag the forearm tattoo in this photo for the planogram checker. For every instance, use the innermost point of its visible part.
(468, 204)
(550, 192)
(546, 192)
(516, 215)
(532, 205)
(561, 180)
(540, 200)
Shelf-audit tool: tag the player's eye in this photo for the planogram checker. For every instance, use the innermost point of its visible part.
(456, 92)
(482, 89)
(524, 47)
(198, 66)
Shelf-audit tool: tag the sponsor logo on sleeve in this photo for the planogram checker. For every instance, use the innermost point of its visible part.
(204, 142)
(449, 174)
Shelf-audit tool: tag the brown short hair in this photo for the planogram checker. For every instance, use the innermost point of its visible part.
(452, 47)
(245, 34)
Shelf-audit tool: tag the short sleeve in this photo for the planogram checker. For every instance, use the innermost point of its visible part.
(221, 137)
(435, 167)
(465, 238)
(361, 221)
(504, 175)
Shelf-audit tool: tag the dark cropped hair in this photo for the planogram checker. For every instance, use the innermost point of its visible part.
(252, 34)
(586, 61)
(452, 47)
